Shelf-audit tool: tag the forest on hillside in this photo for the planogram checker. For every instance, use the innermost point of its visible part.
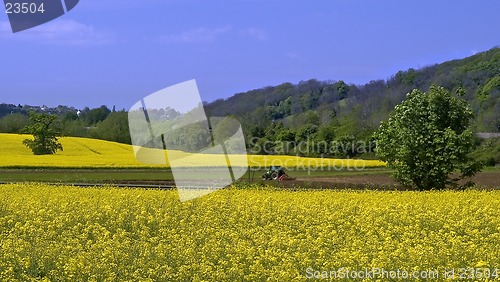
(343, 116)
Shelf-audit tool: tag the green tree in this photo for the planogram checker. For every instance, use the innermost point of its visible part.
(347, 146)
(13, 123)
(92, 117)
(285, 141)
(75, 128)
(45, 135)
(426, 138)
(342, 89)
(114, 128)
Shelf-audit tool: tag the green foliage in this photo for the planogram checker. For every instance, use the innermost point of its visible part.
(69, 116)
(13, 123)
(306, 132)
(342, 89)
(427, 138)
(347, 146)
(488, 152)
(308, 101)
(96, 115)
(407, 77)
(280, 112)
(280, 109)
(262, 146)
(491, 86)
(45, 135)
(285, 135)
(358, 109)
(75, 128)
(114, 128)
(194, 138)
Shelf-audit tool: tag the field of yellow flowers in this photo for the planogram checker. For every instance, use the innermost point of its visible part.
(62, 233)
(92, 153)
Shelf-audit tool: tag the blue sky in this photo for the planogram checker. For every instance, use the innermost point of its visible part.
(114, 52)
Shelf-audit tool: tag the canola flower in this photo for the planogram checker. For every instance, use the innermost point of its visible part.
(252, 233)
(84, 152)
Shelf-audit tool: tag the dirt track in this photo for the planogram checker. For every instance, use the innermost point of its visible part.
(380, 181)
(372, 181)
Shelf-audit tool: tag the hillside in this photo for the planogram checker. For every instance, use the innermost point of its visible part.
(348, 114)
(358, 109)
(276, 119)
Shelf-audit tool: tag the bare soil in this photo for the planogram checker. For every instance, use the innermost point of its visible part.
(382, 181)
(488, 180)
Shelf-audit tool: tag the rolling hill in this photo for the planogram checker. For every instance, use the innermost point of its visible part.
(92, 153)
(358, 109)
(334, 112)
(78, 152)
(346, 114)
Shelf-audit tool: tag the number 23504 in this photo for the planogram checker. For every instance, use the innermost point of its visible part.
(24, 8)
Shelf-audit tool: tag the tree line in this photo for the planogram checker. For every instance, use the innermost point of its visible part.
(425, 139)
(310, 118)
(99, 123)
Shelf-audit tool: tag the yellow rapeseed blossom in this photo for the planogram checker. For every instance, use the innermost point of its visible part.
(252, 233)
(84, 152)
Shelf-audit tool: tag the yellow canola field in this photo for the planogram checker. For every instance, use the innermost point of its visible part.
(62, 233)
(84, 152)
(78, 152)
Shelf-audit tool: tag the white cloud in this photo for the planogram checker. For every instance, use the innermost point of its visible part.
(59, 32)
(201, 34)
(256, 33)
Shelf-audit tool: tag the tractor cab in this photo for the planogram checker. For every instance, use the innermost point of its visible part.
(274, 173)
